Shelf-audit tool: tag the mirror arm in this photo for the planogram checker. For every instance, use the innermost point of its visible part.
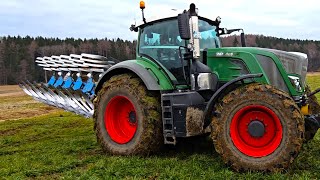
(223, 31)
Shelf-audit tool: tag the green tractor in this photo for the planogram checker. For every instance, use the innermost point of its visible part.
(253, 102)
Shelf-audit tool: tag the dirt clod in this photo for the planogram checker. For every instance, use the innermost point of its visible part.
(194, 121)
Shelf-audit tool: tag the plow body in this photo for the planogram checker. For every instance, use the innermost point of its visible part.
(72, 82)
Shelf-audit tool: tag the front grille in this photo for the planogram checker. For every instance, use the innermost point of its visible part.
(293, 62)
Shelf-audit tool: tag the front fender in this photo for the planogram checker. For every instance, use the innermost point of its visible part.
(216, 95)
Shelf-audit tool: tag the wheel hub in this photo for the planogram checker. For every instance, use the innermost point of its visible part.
(256, 128)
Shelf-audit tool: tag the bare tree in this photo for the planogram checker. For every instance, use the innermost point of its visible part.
(24, 71)
(103, 47)
(3, 76)
(86, 47)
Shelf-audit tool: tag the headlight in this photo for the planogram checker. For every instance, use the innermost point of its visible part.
(205, 81)
(295, 81)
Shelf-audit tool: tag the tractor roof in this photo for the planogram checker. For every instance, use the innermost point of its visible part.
(156, 19)
(168, 17)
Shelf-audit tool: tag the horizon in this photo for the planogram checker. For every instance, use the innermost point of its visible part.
(103, 38)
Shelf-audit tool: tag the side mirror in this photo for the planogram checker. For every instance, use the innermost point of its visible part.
(184, 27)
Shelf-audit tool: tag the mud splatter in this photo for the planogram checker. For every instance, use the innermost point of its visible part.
(194, 121)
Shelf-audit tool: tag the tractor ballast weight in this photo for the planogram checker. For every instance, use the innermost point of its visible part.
(254, 102)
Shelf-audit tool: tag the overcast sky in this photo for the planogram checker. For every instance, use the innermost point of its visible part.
(295, 19)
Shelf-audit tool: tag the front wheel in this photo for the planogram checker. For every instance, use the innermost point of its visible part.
(127, 117)
(257, 127)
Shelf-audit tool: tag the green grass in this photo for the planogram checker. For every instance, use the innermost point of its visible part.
(63, 145)
(314, 82)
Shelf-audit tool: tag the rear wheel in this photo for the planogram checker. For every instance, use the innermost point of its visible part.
(120, 119)
(127, 117)
(315, 109)
(257, 127)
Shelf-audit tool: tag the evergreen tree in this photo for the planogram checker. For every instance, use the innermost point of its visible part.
(17, 54)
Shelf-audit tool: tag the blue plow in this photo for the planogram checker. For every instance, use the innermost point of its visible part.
(72, 83)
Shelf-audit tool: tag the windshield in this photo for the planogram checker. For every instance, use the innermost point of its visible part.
(161, 41)
(208, 35)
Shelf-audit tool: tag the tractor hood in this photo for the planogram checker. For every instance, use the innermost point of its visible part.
(293, 62)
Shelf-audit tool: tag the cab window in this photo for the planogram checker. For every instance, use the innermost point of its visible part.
(161, 41)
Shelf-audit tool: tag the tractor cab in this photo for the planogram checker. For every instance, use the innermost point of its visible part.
(179, 44)
(160, 40)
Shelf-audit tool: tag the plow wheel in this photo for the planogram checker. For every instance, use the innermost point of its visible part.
(127, 117)
(315, 109)
(257, 127)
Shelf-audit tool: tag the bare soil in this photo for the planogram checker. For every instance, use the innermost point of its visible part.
(15, 104)
(11, 90)
(313, 74)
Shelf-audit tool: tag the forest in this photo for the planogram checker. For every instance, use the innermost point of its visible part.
(17, 54)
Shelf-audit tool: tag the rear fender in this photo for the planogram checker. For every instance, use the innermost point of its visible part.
(146, 72)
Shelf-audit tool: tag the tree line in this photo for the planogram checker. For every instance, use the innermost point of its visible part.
(17, 54)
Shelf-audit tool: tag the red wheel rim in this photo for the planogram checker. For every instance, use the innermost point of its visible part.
(252, 146)
(120, 119)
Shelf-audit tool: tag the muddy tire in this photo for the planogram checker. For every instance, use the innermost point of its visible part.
(257, 127)
(310, 131)
(127, 117)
